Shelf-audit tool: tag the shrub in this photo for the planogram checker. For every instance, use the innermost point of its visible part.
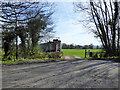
(36, 53)
(10, 55)
(53, 54)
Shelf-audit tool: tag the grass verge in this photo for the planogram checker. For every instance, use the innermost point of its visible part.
(28, 60)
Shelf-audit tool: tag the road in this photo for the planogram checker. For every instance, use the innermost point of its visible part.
(70, 73)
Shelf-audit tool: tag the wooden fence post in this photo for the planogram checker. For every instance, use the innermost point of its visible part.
(85, 53)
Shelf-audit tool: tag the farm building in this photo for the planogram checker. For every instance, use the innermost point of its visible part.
(51, 46)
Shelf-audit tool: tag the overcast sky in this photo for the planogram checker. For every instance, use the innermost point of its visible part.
(67, 27)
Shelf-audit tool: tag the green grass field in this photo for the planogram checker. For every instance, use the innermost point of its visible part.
(78, 52)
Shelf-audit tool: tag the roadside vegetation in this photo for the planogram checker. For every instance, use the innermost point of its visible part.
(24, 24)
(36, 55)
(20, 61)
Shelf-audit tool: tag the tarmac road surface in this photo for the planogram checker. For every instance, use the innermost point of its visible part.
(70, 73)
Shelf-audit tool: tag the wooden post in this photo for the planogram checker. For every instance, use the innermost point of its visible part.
(85, 53)
(16, 43)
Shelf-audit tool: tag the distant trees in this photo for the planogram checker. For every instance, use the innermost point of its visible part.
(86, 47)
(71, 46)
(105, 16)
(91, 46)
(97, 47)
(64, 46)
(24, 20)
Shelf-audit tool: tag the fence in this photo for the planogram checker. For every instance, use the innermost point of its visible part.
(95, 54)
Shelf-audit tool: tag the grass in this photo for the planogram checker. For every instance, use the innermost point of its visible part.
(81, 53)
(78, 52)
(26, 60)
(0, 55)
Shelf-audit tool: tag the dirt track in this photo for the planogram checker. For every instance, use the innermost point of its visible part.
(71, 57)
(70, 73)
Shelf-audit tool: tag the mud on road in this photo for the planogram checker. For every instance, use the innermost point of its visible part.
(72, 73)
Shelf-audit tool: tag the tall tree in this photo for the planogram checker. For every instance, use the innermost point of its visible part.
(15, 14)
(7, 40)
(40, 28)
(104, 15)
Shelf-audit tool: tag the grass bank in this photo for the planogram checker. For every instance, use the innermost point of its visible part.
(21, 61)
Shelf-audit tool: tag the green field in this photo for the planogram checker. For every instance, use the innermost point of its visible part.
(78, 52)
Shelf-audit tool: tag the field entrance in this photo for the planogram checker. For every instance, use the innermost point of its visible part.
(72, 57)
(77, 53)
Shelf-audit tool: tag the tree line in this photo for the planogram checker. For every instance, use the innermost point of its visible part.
(71, 46)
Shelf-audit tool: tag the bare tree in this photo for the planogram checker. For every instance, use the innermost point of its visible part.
(104, 15)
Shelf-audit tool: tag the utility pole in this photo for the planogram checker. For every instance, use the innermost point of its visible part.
(16, 44)
(16, 33)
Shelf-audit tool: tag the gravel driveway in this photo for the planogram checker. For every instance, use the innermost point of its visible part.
(72, 73)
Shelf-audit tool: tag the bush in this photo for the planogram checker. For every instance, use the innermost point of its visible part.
(36, 53)
(53, 54)
(10, 55)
